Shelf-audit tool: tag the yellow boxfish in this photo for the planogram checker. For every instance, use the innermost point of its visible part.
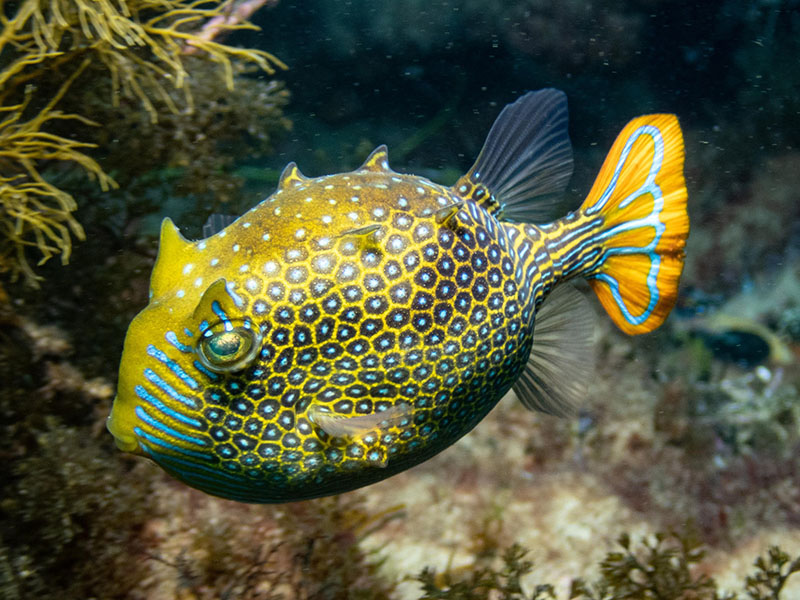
(351, 326)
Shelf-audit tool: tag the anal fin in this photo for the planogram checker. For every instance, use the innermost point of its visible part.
(561, 362)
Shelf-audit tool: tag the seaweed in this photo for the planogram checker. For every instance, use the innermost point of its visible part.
(771, 574)
(666, 566)
(138, 49)
(660, 568)
(307, 550)
(485, 581)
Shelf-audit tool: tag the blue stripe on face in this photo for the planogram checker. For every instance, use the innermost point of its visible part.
(172, 338)
(143, 435)
(205, 371)
(154, 378)
(172, 366)
(158, 404)
(166, 429)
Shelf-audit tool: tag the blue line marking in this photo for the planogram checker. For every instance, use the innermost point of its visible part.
(237, 299)
(218, 311)
(652, 220)
(159, 405)
(173, 339)
(155, 423)
(205, 371)
(172, 366)
(210, 469)
(154, 378)
(164, 444)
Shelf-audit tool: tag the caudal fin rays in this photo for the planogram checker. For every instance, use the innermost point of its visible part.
(641, 195)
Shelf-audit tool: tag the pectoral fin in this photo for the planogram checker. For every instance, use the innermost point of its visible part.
(355, 427)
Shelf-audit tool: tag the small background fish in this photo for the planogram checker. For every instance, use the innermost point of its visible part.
(351, 326)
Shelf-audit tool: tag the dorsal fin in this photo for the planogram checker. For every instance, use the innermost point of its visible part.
(172, 251)
(378, 160)
(291, 176)
(216, 223)
(526, 161)
(561, 362)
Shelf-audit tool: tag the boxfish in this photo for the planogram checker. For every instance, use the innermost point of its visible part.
(351, 326)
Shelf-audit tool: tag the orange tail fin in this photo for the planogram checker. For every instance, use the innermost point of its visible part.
(641, 195)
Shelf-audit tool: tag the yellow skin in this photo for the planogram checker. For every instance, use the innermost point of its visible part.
(351, 326)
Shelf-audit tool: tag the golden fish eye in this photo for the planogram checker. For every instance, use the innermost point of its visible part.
(225, 347)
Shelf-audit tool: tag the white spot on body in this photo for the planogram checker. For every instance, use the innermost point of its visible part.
(300, 234)
(246, 225)
(297, 274)
(277, 211)
(180, 293)
(420, 190)
(236, 247)
(371, 259)
(266, 237)
(244, 268)
(214, 262)
(322, 263)
(276, 291)
(252, 285)
(327, 219)
(198, 282)
(270, 267)
(187, 268)
(201, 245)
(353, 216)
(347, 272)
(396, 244)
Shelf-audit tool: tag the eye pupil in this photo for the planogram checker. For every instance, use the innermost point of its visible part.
(225, 348)
(225, 344)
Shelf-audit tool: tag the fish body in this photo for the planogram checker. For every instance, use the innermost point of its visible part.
(351, 326)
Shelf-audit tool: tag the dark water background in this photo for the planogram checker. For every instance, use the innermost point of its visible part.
(696, 427)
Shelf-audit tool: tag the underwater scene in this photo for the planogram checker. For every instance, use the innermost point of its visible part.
(443, 299)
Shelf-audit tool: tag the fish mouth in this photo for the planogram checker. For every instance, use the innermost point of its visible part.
(125, 439)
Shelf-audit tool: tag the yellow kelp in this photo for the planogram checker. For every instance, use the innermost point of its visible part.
(136, 48)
